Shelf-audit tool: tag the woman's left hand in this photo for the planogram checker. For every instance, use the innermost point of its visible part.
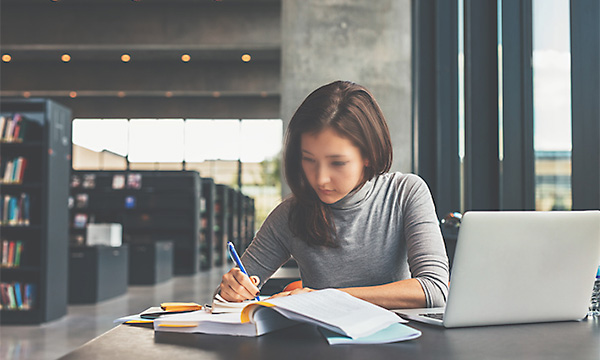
(293, 292)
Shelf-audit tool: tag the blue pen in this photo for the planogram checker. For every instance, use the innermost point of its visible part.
(236, 258)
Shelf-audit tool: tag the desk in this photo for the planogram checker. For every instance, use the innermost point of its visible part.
(565, 340)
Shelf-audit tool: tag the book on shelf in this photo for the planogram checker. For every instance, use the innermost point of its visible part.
(75, 181)
(17, 296)
(134, 181)
(82, 201)
(130, 202)
(80, 221)
(340, 317)
(14, 211)
(118, 181)
(11, 253)
(14, 170)
(12, 129)
(89, 181)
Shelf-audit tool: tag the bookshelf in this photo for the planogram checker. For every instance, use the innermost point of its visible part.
(233, 214)
(208, 223)
(151, 206)
(36, 161)
(221, 225)
(247, 221)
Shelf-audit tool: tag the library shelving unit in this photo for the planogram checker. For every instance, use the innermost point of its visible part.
(208, 223)
(150, 205)
(36, 149)
(247, 222)
(232, 218)
(221, 225)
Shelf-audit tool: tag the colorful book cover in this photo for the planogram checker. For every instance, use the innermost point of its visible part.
(12, 211)
(24, 125)
(12, 302)
(18, 296)
(80, 220)
(21, 173)
(14, 177)
(18, 253)
(2, 126)
(134, 181)
(82, 201)
(17, 131)
(29, 296)
(5, 209)
(118, 181)
(89, 181)
(26, 207)
(75, 181)
(9, 128)
(8, 171)
(11, 254)
(5, 253)
(4, 296)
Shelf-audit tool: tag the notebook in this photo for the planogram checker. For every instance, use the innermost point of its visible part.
(519, 267)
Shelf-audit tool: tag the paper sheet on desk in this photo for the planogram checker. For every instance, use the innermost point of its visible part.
(393, 333)
(329, 308)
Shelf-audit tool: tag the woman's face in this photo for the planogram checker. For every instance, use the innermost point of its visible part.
(333, 165)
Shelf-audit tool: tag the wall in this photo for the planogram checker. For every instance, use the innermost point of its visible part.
(368, 42)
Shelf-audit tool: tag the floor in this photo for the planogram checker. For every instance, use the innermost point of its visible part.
(84, 322)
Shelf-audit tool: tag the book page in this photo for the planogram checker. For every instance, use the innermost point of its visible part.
(220, 305)
(337, 311)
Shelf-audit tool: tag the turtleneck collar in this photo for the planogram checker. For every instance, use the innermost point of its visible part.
(355, 197)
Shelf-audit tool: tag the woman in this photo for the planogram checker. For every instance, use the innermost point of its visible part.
(350, 224)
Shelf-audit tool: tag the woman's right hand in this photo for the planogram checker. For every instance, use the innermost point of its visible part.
(237, 286)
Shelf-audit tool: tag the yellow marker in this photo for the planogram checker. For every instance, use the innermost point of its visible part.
(139, 322)
(177, 325)
(180, 306)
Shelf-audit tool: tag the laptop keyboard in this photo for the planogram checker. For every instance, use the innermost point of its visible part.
(437, 316)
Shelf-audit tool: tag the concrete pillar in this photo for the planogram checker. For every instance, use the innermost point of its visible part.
(365, 41)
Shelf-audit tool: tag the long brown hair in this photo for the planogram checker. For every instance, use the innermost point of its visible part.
(351, 111)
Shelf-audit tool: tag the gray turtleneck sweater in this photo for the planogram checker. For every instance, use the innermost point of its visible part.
(387, 231)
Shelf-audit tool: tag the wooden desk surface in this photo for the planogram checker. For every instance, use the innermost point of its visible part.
(565, 340)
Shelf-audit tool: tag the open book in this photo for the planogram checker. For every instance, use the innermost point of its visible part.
(337, 313)
(220, 305)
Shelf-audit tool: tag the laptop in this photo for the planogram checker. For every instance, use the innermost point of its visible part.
(519, 267)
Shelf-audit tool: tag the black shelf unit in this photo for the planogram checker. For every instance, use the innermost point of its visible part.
(46, 146)
(151, 206)
(247, 221)
(207, 240)
(233, 213)
(221, 225)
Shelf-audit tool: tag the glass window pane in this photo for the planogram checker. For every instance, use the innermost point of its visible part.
(156, 140)
(261, 139)
(101, 134)
(552, 104)
(212, 140)
(198, 139)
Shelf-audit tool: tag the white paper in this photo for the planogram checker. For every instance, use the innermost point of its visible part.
(337, 311)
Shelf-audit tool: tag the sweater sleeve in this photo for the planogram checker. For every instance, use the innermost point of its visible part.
(269, 249)
(427, 258)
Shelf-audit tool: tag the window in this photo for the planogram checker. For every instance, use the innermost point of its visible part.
(214, 148)
(552, 104)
